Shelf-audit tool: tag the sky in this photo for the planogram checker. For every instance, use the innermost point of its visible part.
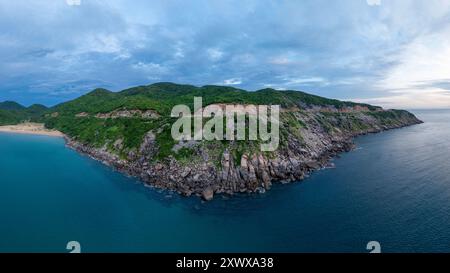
(393, 53)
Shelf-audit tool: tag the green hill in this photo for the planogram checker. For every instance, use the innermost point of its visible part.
(79, 118)
(11, 105)
(163, 96)
(12, 112)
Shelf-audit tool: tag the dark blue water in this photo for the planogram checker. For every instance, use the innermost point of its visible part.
(395, 189)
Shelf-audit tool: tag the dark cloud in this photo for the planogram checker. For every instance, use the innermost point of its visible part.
(50, 51)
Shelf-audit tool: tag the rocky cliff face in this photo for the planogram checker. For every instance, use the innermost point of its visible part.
(310, 138)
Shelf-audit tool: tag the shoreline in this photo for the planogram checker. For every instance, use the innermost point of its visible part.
(30, 129)
(283, 169)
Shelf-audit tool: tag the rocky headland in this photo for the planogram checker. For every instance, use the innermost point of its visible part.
(130, 131)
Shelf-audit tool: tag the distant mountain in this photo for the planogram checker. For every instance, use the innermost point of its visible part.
(36, 111)
(12, 112)
(11, 105)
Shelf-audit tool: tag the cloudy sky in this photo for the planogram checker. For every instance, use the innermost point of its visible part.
(394, 53)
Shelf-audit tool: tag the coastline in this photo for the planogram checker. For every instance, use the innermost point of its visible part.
(30, 129)
(227, 173)
(251, 175)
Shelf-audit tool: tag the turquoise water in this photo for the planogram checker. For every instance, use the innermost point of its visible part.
(395, 189)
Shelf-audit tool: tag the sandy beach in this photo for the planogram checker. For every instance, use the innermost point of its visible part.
(30, 128)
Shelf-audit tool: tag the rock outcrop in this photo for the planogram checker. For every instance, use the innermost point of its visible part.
(148, 114)
(305, 149)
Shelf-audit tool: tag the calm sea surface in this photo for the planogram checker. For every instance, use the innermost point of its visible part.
(394, 188)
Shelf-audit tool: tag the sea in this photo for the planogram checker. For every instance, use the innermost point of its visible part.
(394, 189)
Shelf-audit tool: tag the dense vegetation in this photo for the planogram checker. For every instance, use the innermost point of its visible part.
(13, 113)
(79, 118)
(163, 96)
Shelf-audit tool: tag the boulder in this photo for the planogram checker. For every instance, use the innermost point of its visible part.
(208, 194)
